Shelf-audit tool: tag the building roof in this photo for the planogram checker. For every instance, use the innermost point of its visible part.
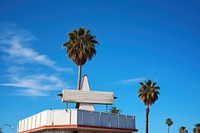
(77, 119)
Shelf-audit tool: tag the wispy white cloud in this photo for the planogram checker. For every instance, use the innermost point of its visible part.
(132, 80)
(35, 85)
(16, 44)
(17, 51)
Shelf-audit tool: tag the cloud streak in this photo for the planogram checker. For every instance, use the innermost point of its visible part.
(16, 45)
(17, 52)
(132, 80)
(35, 85)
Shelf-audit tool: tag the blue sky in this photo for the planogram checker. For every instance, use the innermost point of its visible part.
(139, 40)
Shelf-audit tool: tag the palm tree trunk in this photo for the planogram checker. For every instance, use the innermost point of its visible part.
(79, 83)
(147, 119)
(168, 128)
(79, 78)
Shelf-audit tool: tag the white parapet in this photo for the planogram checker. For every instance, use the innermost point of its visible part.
(77, 119)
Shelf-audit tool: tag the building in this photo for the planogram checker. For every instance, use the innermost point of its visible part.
(82, 120)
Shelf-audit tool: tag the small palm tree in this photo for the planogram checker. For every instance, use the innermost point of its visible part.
(114, 110)
(80, 47)
(197, 128)
(182, 129)
(169, 122)
(148, 93)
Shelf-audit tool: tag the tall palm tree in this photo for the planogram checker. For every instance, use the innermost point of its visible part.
(148, 93)
(80, 47)
(169, 122)
(197, 128)
(182, 129)
(113, 109)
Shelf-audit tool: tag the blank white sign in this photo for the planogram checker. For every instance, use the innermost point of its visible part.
(95, 97)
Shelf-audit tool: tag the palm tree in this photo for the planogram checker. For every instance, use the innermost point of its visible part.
(148, 93)
(113, 109)
(80, 47)
(169, 122)
(182, 129)
(197, 128)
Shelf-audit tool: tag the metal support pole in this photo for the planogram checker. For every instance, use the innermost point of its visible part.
(106, 108)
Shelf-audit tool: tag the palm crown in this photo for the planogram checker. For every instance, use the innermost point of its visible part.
(80, 46)
(169, 122)
(183, 130)
(148, 92)
(197, 128)
(114, 109)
